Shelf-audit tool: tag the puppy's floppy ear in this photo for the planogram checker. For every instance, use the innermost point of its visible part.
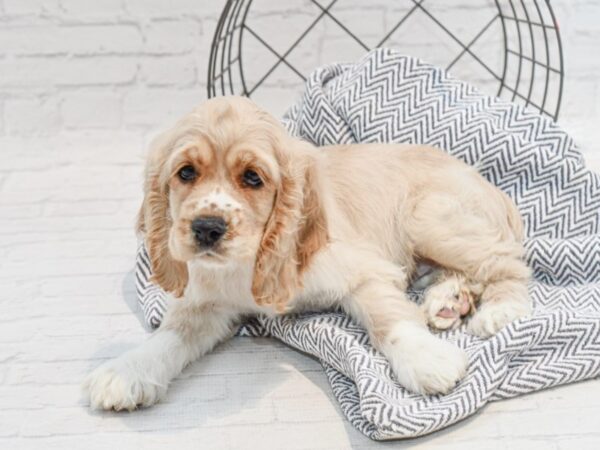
(295, 231)
(154, 221)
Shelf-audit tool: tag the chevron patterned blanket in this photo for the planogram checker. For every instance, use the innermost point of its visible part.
(388, 97)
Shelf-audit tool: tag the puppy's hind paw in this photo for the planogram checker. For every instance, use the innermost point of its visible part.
(494, 315)
(447, 303)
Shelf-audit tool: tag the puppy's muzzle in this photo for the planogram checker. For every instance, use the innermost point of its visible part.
(208, 230)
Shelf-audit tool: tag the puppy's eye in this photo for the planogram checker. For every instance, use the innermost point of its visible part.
(252, 179)
(187, 173)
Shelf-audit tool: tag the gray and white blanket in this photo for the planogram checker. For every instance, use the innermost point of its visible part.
(388, 97)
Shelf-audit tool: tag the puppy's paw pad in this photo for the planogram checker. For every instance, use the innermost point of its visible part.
(116, 386)
(493, 316)
(447, 303)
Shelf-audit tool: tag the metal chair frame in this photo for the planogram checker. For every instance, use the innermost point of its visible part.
(226, 58)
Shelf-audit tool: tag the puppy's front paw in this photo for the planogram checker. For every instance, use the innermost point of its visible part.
(492, 316)
(121, 384)
(423, 363)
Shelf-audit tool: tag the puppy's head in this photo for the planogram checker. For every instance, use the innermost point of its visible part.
(225, 186)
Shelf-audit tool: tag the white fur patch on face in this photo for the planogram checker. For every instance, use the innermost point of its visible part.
(219, 201)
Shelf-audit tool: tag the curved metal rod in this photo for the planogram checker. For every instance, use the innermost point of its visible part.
(240, 43)
(547, 55)
(223, 42)
(231, 33)
(502, 84)
(210, 87)
(227, 39)
(560, 53)
(532, 40)
(516, 89)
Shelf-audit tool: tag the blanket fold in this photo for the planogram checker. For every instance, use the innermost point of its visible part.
(388, 97)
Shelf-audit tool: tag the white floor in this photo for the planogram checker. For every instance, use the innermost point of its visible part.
(67, 303)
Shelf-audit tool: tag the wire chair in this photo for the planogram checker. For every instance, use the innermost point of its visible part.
(520, 38)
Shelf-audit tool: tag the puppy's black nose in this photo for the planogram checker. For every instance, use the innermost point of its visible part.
(208, 230)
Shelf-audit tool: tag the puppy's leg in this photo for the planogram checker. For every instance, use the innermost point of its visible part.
(486, 251)
(498, 268)
(422, 362)
(502, 302)
(140, 377)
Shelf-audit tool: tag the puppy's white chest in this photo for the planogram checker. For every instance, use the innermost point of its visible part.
(228, 287)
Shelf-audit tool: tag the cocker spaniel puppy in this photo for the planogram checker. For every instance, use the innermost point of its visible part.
(242, 219)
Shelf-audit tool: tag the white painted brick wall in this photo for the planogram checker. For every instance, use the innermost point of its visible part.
(32, 115)
(91, 108)
(76, 65)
